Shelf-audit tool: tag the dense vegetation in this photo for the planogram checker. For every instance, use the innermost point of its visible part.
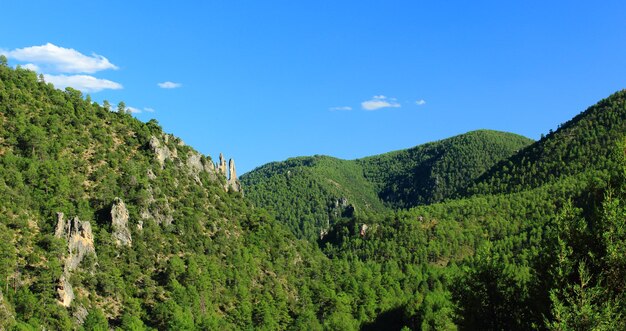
(581, 144)
(304, 192)
(435, 171)
(512, 254)
(307, 194)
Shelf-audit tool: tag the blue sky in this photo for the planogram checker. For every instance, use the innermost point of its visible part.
(266, 80)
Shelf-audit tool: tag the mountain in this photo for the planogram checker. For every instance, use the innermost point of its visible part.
(108, 223)
(306, 193)
(309, 193)
(435, 171)
(536, 242)
(581, 144)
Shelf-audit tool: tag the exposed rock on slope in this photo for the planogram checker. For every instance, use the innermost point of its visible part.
(221, 167)
(233, 182)
(119, 223)
(195, 163)
(65, 291)
(162, 152)
(302, 189)
(79, 239)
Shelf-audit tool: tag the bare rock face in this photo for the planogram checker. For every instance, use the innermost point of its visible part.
(80, 244)
(119, 223)
(323, 233)
(194, 163)
(233, 183)
(161, 152)
(65, 291)
(79, 238)
(231, 170)
(341, 207)
(209, 166)
(161, 215)
(61, 229)
(221, 168)
(363, 230)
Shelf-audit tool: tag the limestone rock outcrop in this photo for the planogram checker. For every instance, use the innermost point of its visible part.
(341, 208)
(229, 173)
(150, 174)
(119, 223)
(233, 182)
(79, 237)
(61, 229)
(162, 153)
(221, 167)
(80, 314)
(363, 230)
(195, 163)
(80, 243)
(65, 291)
(209, 166)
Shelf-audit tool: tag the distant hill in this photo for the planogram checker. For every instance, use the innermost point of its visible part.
(308, 193)
(436, 171)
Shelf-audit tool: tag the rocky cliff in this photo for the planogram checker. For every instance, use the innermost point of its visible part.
(233, 182)
(195, 163)
(119, 223)
(79, 238)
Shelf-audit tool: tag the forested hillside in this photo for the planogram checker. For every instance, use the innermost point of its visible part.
(308, 194)
(435, 171)
(107, 222)
(581, 144)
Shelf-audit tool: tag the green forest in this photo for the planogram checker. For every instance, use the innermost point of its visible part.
(109, 223)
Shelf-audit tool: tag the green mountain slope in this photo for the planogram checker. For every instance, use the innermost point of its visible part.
(306, 192)
(581, 144)
(435, 171)
(107, 222)
(541, 248)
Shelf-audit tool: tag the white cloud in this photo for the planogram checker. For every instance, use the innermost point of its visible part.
(31, 66)
(53, 58)
(340, 108)
(169, 84)
(378, 102)
(420, 102)
(133, 110)
(84, 83)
